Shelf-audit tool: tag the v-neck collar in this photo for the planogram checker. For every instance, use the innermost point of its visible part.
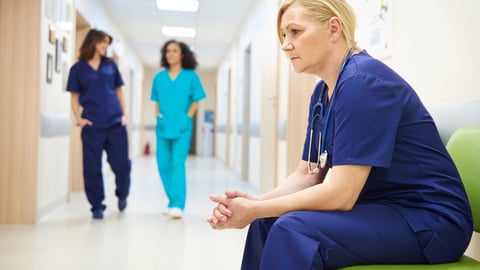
(176, 76)
(92, 68)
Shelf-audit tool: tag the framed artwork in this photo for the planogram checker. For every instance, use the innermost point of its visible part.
(58, 55)
(375, 26)
(49, 67)
(65, 44)
(51, 33)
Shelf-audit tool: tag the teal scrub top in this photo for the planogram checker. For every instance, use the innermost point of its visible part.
(175, 98)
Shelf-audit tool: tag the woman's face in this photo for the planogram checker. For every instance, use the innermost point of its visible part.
(102, 46)
(306, 41)
(173, 54)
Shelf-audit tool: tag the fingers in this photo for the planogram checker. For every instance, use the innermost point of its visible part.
(224, 210)
(233, 193)
(236, 193)
(216, 225)
(215, 198)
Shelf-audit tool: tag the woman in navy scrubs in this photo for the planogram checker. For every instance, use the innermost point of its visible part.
(392, 195)
(95, 84)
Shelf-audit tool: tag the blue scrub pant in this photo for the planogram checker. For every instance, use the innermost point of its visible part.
(368, 234)
(171, 157)
(115, 142)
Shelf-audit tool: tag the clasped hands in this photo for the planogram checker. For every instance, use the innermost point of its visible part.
(234, 210)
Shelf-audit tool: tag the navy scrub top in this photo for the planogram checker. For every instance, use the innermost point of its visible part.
(378, 120)
(98, 91)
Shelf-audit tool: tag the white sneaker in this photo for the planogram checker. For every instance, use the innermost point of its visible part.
(175, 213)
(166, 211)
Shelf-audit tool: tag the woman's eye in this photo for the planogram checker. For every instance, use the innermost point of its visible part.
(295, 31)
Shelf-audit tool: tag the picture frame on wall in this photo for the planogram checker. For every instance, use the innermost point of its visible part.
(375, 26)
(65, 44)
(58, 55)
(49, 68)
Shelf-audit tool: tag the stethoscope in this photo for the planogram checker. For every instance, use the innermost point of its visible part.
(322, 152)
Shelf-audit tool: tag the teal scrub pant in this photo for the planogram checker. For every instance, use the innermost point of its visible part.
(171, 157)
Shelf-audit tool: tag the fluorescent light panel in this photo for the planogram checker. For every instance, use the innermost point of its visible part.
(178, 5)
(178, 31)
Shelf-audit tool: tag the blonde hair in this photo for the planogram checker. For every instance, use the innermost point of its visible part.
(322, 11)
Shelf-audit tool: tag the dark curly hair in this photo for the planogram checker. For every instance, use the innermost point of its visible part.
(188, 59)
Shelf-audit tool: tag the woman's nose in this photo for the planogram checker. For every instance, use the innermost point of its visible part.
(287, 46)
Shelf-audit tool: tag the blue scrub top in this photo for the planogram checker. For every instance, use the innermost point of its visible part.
(98, 91)
(175, 98)
(378, 120)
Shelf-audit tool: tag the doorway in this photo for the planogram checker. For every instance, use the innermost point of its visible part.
(246, 113)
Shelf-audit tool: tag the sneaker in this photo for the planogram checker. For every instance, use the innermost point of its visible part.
(166, 211)
(97, 213)
(122, 204)
(175, 213)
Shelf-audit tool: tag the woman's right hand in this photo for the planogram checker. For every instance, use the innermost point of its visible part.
(84, 122)
(222, 213)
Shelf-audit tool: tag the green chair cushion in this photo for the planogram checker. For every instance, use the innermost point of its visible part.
(464, 147)
(465, 263)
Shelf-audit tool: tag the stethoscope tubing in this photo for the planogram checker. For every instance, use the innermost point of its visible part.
(322, 139)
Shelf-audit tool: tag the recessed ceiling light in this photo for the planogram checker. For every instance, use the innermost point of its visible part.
(178, 31)
(178, 5)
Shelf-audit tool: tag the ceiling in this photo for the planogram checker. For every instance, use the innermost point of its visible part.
(217, 23)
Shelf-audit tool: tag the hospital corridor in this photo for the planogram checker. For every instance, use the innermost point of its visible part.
(141, 237)
(162, 96)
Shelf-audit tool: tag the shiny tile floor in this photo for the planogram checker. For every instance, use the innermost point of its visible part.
(141, 238)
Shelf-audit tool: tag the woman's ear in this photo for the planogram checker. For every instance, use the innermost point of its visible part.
(335, 28)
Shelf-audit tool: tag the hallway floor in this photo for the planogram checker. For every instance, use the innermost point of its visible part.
(141, 238)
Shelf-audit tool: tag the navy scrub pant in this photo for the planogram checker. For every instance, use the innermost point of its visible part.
(368, 234)
(115, 143)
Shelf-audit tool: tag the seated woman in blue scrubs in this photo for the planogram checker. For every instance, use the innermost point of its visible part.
(393, 194)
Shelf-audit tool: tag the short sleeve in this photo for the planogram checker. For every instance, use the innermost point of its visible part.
(154, 94)
(118, 77)
(73, 83)
(198, 93)
(367, 115)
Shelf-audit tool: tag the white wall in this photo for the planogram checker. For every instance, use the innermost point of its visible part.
(434, 48)
(255, 34)
(53, 155)
(208, 78)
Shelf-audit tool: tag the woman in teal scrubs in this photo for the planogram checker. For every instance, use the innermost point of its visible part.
(176, 91)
